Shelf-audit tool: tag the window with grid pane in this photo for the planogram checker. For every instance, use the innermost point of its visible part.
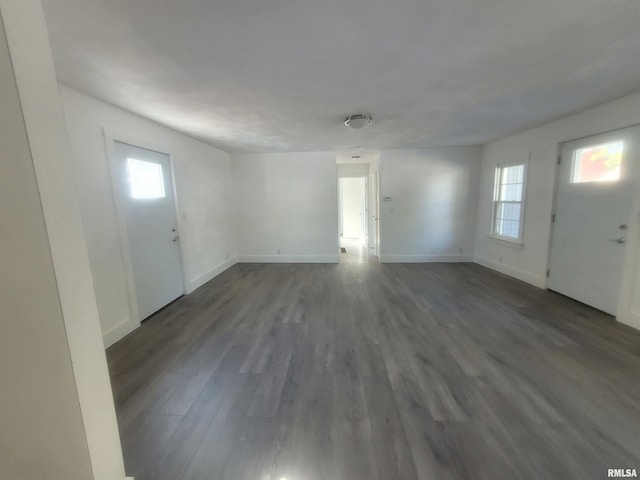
(508, 202)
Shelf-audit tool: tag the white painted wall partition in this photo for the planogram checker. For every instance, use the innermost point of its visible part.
(58, 418)
(286, 207)
(350, 170)
(428, 204)
(529, 263)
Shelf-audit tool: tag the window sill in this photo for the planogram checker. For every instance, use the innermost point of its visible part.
(508, 243)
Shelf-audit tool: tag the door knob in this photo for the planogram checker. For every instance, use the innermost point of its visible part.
(617, 240)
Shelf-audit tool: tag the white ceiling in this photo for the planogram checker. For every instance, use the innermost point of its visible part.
(281, 75)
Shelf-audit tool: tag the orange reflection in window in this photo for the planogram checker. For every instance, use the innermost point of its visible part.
(601, 163)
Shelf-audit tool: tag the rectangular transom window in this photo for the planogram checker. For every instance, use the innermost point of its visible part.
(146, 181)
(599, 163)
(508, 202)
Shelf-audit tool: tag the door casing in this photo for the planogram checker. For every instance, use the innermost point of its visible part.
(110, 137)
(628, 310)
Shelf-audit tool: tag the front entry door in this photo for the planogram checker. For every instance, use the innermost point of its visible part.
(592, 217)
(147, 199)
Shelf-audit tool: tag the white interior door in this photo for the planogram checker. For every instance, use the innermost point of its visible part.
(147, 200)
(592, 218)
(353, 198)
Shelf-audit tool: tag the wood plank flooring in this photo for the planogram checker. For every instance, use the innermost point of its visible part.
(363, 371)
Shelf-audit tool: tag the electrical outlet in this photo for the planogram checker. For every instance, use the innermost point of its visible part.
(278, 251)
(500, 259)
(460, 250)
(226, 256)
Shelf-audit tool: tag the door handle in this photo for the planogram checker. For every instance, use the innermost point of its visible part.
(175, 239)
(618, 240)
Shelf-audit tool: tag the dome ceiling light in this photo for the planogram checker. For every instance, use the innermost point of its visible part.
(358, 120)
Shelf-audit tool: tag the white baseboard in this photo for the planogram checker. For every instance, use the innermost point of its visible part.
(128, 325)
(533, 279)
(425, 258)
(630, 319)
(121, 330)
(214, 272)
(288, 258)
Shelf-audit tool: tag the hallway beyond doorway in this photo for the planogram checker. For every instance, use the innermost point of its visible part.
(355, 251)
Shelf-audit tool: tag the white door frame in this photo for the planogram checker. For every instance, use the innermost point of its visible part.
(554, 207)
(376, 226)
(365, 214)
(110, 137)
(631, 268)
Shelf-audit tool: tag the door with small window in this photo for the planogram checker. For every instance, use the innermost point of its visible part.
(592, 217)
(144, 186)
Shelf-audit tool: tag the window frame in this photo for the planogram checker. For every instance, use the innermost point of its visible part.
(497, 183)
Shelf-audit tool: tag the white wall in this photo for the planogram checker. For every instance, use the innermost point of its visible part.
(286, 201)
(203, 187)
(350, 170)
(33, 335)
(57, 418)
(541, 144)
(432, 214)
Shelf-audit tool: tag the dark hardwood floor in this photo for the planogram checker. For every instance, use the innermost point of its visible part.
(363, 371)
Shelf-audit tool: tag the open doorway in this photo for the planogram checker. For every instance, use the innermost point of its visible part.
(357, 205)
(353, 211)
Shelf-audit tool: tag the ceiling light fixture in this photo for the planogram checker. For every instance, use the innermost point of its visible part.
(358, 120)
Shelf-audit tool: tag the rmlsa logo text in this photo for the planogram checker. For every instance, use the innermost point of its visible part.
(622, 473)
